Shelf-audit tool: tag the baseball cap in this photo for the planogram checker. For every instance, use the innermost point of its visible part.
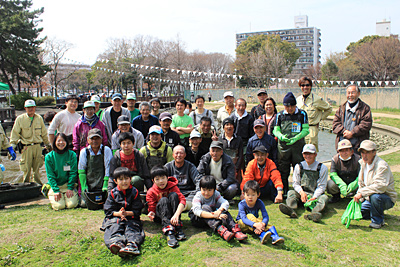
(165, 116)
(88, 104)
(261, 149)
(258, 122)
(367, 145)
(116, 96)
(344, 144)
(95, 98)
(310, 148)
(229, 93)
(194, 134)
(155, 129)
(30, 103)
(95, 132)
(131, 96)
(262, 91)
(123, 119)
(217, 144)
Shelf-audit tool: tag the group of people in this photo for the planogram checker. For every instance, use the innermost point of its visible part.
(193, 162)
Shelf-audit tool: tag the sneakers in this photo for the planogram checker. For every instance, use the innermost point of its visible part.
(264, 236)
(285, 209)
(376, 225)
(130, 250)
(116, 247)
(179, 234)
(224, 233)
(171, 240)
(315, 217)
(238, 233)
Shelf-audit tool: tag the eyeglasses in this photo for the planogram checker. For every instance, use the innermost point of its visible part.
(304, 85)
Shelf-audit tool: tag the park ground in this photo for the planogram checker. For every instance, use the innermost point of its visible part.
(35, 235)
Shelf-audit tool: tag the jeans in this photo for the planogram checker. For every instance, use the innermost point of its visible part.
(373, 209)
(269, 191)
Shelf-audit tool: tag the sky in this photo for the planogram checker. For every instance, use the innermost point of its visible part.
(207, 25)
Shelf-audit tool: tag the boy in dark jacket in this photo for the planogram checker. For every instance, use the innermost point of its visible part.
(123, 228)
(166, 204)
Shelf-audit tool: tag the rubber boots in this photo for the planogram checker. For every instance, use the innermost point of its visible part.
(238, 233)
(276, 239)
(225, 233)
(264, 236)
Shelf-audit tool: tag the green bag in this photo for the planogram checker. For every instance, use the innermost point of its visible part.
(352, 212)
(310, 204)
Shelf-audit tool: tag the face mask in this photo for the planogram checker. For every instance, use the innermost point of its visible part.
(186, 111)
(344, 159)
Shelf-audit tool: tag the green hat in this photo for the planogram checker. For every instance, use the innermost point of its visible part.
(89, 104)
(131, 96)
(30, 103)
(95, 98)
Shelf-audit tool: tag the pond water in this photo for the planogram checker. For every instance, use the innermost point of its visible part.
(326, 144)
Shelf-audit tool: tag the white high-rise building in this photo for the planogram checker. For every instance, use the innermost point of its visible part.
(383, 28)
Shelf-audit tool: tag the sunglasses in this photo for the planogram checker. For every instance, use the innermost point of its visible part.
(304, 85)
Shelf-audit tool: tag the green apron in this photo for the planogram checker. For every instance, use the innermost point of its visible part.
(95, 171)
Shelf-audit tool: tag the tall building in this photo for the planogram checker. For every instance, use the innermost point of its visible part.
(383, 28)
(307, 40)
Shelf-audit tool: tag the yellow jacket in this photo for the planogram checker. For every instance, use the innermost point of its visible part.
(29, 131)
(317, 109)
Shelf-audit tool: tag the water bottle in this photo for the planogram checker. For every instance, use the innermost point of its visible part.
(2, 167)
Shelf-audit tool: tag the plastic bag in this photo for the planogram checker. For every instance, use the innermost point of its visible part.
(352, 212)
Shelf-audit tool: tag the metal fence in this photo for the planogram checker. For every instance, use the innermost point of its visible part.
(375, 97)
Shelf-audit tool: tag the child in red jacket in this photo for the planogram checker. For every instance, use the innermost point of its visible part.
(165, 204)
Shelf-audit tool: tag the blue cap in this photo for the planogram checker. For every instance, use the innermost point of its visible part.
(116, 96)
(155, 129)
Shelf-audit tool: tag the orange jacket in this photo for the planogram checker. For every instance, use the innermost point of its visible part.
(270, 172)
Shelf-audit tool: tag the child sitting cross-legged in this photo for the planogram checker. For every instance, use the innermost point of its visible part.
(166, 203)
(248, 219)
(123, 228)
(210, 209)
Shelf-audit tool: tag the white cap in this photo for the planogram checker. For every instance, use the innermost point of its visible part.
(131, 96)
(194, 134)
(30, 103)
(95, 98)
(89, 104)
(229, 93)
(310, 148)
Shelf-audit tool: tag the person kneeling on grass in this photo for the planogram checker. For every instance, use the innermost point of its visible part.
(211, 209)
(248, 219)
(166, 204)
(123, 229)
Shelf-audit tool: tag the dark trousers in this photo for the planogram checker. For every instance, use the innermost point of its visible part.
(166, 208)
(269, 191)
(212, 223)
(123, 231)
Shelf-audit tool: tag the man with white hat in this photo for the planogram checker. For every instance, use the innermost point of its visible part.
(131, 102)
(309, 184)
(97, 110)
(225, 111)
(30, 131)
(376, 185)
(195, 151)
(345, 168)
(88, 121)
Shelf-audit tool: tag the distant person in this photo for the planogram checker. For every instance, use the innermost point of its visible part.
(209, 96)
(97, 102)
(168, 136)
(226, 110)
(189, 108)
(192, 97)
(62, 171)
(64, 121)
(317, 109)
(182, 123)
(4, 144)
(200, 111)
(111, 115)
(376, 189)
(145, 120)
(123, 229)
(353, 119)
(29, 130)
(259, 110)
(243, 122)
(88, 121)
(49, 116)
(131, 102)
(124, 126)
(155, 107)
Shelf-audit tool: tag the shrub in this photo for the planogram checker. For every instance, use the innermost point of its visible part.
(18, 100)
(44, 100)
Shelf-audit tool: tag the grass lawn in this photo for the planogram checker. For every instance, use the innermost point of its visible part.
(388, 121)
(38, 236)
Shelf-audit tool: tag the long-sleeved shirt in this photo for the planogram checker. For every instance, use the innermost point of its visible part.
(188, 177)
(266, 141)
(216, 201)
(29, 131)
(317, 109)
(64, 122)
(197, 116)
(81, 130)
(139, 139)
(270, 172)
(321, 182)
(61, 169)
(244, 209)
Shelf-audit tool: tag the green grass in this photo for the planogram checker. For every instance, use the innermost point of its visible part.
(392, 159)
(394, 111)
(388, 121)
(38, 236)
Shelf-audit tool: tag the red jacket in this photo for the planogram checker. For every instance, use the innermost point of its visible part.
(270, 172)
(155, 193)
